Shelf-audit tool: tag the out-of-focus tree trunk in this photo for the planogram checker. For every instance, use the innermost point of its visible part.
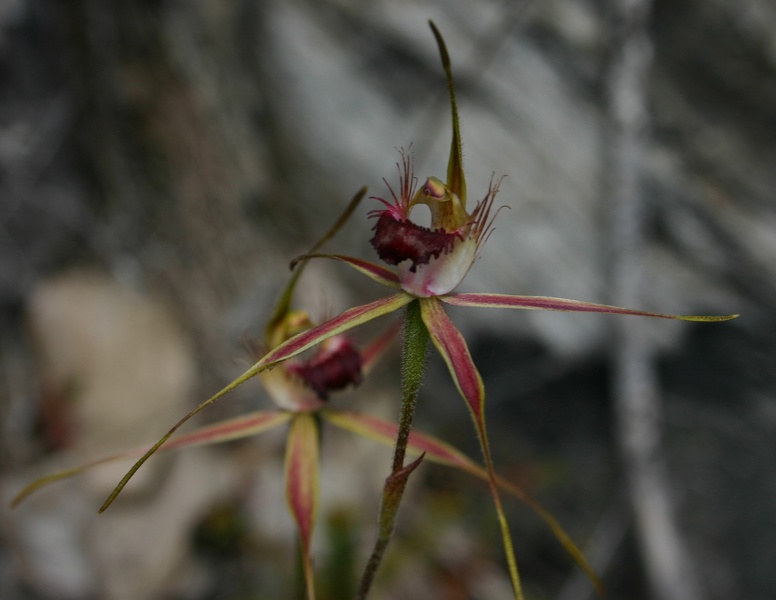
(636, 386)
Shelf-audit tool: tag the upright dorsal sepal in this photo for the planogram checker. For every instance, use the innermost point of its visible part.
(456, 181)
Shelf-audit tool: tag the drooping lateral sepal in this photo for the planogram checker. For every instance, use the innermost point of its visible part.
(453, 349)
(444, 454)
(223, 431)
(302, 466)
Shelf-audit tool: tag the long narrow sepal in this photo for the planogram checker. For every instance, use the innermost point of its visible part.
(385, 432)
(299, 343)
(455, 177)
(377, 273)
(562, 304)
(349, 319)
(68, 473)
(376, 349)
(346, 214)
(231, 429)
(451, 345)
(284, 300)
(557, 529)
(302, 485)
(442, 453)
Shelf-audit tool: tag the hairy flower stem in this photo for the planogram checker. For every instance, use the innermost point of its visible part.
(415, 343)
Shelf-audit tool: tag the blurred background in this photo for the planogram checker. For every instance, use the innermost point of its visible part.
(162, 161)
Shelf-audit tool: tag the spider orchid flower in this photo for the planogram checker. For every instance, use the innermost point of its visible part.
(430, 263)
(300, 388)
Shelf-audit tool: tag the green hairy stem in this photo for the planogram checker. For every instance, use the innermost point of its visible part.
(415, 344)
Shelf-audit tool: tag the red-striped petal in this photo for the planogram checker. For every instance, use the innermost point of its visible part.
(302, 484)
(451, 345)
(443, 453)
(562, 304)
(378, 273)
(231, 429)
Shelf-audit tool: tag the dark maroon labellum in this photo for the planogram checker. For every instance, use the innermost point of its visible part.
(330, 370)
(400, 240)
